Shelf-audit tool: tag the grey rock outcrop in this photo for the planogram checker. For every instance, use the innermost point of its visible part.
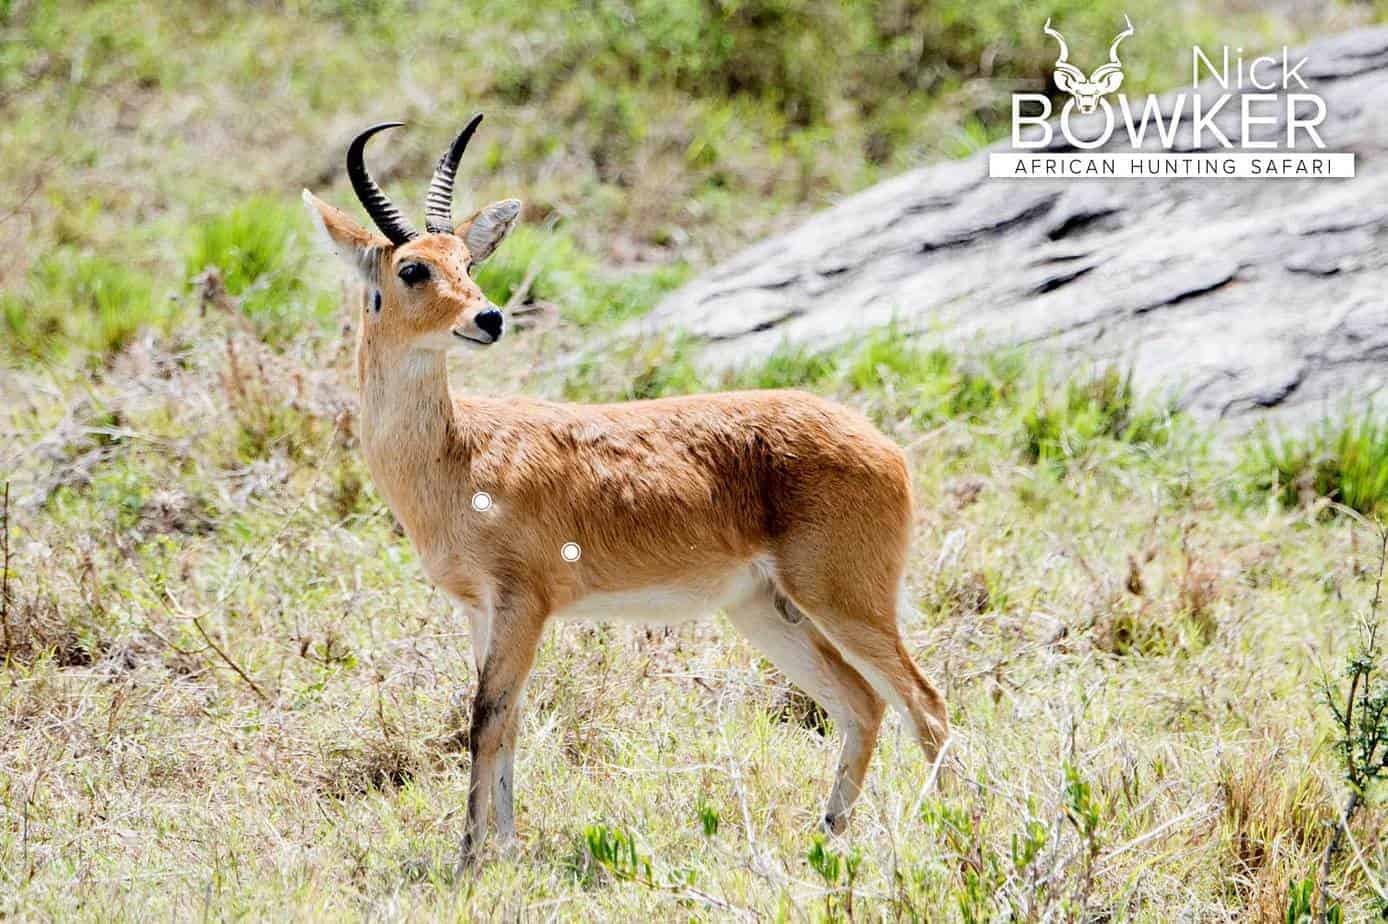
(1237, 296)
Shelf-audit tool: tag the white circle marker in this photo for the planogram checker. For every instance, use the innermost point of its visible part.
(481, 501)
(570, 551)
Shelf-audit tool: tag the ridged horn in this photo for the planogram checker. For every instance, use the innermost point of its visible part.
(438, 204)
(386, 216)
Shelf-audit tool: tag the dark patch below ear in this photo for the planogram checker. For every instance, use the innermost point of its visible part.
(370, 265)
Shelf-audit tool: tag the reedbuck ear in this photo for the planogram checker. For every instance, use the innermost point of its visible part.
(344, 237)
(488, 227)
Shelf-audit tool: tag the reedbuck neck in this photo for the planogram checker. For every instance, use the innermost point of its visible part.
(406, 404)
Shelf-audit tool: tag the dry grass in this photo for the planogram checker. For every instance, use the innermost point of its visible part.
(230, 691)
(225, 690)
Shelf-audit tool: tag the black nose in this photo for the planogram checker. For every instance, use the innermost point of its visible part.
(490, 322)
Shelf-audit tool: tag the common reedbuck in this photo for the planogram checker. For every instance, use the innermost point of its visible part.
(787, 512)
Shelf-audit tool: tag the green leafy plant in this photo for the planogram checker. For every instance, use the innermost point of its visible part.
(839, 870)
(1301, 904)
(1083, 811)
(615, 851)
(980, 875)
(1359, 705)
(708, 820)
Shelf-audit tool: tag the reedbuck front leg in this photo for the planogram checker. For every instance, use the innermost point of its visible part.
(515, 630)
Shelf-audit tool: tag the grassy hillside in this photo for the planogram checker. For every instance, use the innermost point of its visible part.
(637, 133)
(226, 690)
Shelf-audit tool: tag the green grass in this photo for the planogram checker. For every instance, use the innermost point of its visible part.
(1046, 416)
(1128, 658)
(933, 385)
(225, 688)
(1344, 460)
(644, 136)
(641, 369)
(259, 252)
(75, 300)
(1093, 406)
(555, 271)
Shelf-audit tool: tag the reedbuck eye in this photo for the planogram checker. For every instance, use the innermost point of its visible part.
(414, 273)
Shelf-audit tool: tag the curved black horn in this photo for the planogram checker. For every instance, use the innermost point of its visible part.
(438, 205)
(386, 216)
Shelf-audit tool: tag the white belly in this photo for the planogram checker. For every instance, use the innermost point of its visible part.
(671, 603)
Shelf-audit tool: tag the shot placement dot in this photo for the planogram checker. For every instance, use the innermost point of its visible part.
(570, 551)
(481, 501)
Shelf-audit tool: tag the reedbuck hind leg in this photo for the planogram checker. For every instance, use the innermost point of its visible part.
(875, 650)
(852, 598)
(803, 654)
(843, 569)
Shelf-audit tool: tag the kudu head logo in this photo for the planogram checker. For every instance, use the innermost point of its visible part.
(1088, 90)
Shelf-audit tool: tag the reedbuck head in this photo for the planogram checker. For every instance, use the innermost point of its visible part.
(420, 293)
(1105, 80)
